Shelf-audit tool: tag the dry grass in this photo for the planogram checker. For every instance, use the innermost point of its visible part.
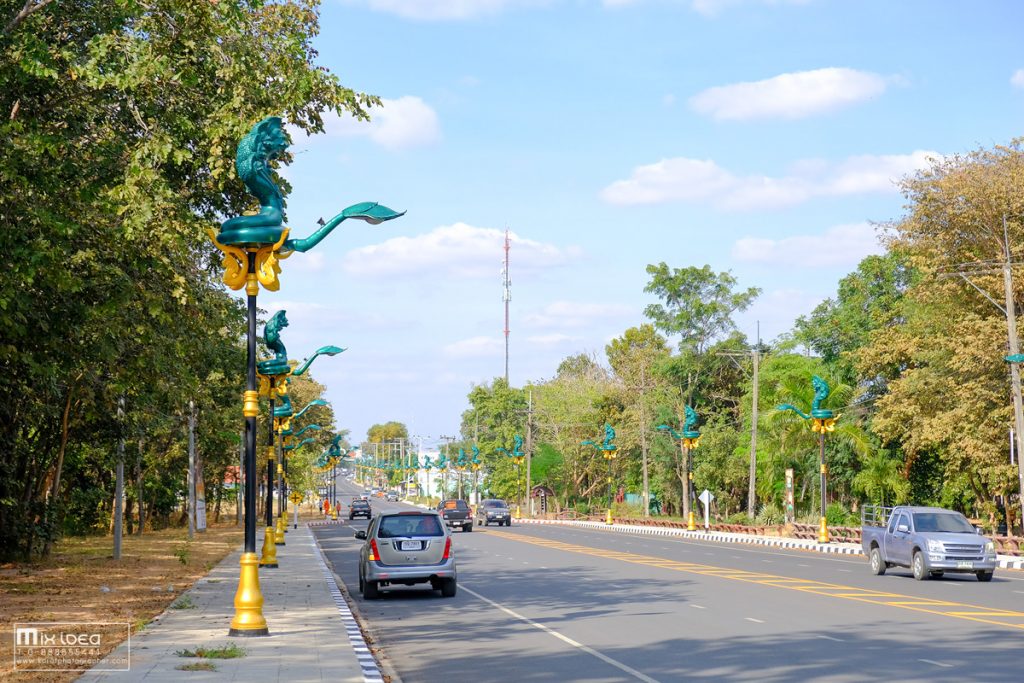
(68, 586)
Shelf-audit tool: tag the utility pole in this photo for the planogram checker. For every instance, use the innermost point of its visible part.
(643, 441)
(751, 492)
(1011, 327)
(529, 453)
(507, 297)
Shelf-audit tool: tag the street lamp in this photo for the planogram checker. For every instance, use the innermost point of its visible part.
(253, 246)
(475, 462)
(284, 457)
(517, 456)
(822, 421)
(608, 451)
(688, 440)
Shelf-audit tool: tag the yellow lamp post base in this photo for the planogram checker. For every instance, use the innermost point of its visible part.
(691, 524)
(823, 532)
(279, 532)
(269, 558)
(248, 620)
(608, 517)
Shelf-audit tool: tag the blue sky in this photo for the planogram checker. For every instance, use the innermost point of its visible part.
(762, 137)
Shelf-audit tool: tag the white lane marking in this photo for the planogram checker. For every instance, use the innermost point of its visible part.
(756, 621)
(803, 565)
(819, 635)
(589, 650)
(698, 607)
(768, 561)
(844, 570)
(543, 567)
(1021, 592)
(929, 661)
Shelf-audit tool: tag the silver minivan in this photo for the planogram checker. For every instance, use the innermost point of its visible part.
(406, 548)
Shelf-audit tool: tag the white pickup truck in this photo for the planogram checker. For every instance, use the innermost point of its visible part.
(931, 541)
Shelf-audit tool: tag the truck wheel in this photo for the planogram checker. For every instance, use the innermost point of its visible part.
(468, 527)
(917, 564)
(877, 565)
(985, 576)
(448, 588)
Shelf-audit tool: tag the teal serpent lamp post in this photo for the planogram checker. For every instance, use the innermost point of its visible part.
(517, 456)
(271, 374)
(427, 466)
(822, 421)
(253, 246)
(607, 449)
(688, 440)
(442, 467)
(475, 462)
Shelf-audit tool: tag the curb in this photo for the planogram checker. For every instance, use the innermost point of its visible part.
(1004, 561)
(371, 670)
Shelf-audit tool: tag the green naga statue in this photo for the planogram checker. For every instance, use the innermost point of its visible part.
(278, 365)
(427, 463)
(690, 425)
(264, 143)
(461, 462)
(476, 456)
(821, 392)
(517, 448)
(609, 437)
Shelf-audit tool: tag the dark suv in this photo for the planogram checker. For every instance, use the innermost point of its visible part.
(359, 508)
(493, 510)
(456, 513)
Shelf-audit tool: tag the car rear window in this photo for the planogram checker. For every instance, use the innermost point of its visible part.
(360, 504)
(410, 525)
(455, 505)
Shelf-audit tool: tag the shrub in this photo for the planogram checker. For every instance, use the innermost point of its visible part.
(770, 515)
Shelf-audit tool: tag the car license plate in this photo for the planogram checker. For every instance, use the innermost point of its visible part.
(410, 545)
(964, 565)
(500, 514)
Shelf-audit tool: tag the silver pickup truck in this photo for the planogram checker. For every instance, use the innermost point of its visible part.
(931, 541)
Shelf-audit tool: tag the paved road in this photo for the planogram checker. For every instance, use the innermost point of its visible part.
(544, 603)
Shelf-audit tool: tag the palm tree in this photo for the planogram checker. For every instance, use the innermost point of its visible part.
(881, 479)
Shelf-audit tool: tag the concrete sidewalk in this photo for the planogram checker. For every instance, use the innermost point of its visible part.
(313, 636)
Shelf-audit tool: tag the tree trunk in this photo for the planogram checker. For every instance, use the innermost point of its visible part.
(55, 489)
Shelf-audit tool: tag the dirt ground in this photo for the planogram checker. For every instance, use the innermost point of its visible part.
(82, 583)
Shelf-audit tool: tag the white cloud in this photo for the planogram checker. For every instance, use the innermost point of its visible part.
(702, 180)
(553, 339)
(841, 245)
(573, 314)
(1017, 79)
(461, 250)
(441, 10)
(396, 124)
(789, 96)
(475, 347)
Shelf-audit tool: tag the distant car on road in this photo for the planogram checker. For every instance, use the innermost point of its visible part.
(931, 541)
(493, 510)
(406, 548)
(456, 512)
(359, 508)
(391, 497)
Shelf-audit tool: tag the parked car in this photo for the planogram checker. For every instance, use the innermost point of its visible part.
(359, 508)
(931, 541)
(493, 510)
(391, 497)
(407, 548)
(456, 513)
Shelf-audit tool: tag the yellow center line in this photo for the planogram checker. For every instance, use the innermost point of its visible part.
(975, 613)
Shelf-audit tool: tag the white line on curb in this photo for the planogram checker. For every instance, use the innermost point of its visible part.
(929, 661)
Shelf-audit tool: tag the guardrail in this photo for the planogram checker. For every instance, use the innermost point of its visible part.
(1005, 545)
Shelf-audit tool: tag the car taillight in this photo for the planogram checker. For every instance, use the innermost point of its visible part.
(447, 548)
(374, 553)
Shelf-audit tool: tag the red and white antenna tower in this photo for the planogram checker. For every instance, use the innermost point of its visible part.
(506, 296)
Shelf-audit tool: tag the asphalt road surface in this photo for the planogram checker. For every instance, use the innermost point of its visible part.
(546, 603)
